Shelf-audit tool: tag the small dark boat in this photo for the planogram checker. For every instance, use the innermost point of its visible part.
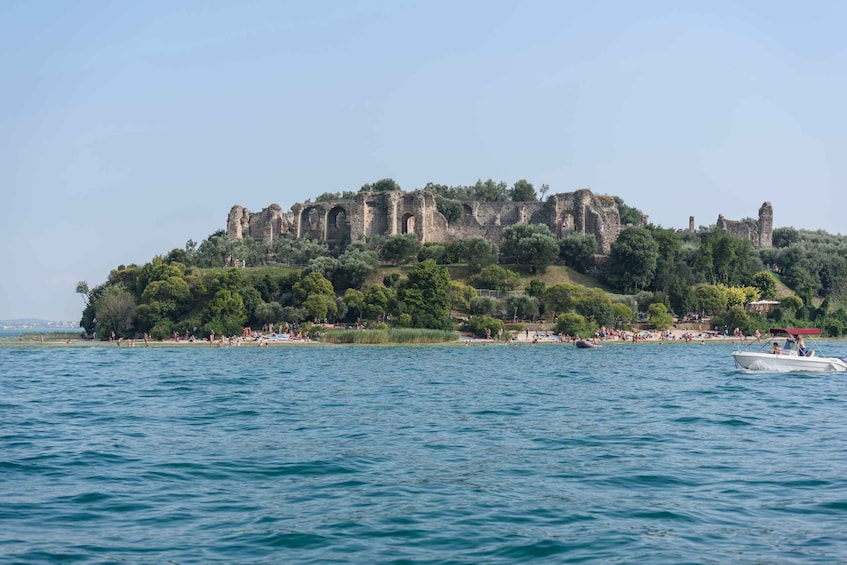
(585, 344)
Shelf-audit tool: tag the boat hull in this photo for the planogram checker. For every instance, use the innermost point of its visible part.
(754, 361)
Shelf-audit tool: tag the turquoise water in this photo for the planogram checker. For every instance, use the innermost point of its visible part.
(434, 454)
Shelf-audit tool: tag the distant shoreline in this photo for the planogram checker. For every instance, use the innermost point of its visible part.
(676, 337)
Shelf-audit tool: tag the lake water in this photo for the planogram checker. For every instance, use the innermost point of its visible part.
(430, 454)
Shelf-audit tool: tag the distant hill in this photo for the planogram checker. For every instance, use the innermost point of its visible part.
(24, 323)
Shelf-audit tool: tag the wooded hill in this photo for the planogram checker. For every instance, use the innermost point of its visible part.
(652, 274)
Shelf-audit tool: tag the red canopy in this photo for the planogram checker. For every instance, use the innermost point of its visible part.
(796, 331)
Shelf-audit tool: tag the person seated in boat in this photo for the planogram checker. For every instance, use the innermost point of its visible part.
(776, 349)
(801, 347)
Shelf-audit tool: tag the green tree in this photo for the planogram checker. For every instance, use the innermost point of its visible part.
(736, 317)
(312, 283)
(595, 305)
(400, 249)
(766, 282)
(489, 191)
(785, 237)
(792, 303)
(83, 290)
(629, 216)
(382, 185)
(435, 251)
(560, 298)
(670, 259)
(484, 326)
(460, 296)
(224, 314)
(496, 277)
(378, 301)
(269, 313)
(355, 301)
(449, 208)
(172, 293)
(536, 288)
(298, 251)
(483, 306)
(215, 250)
(571, 324)
(577, 251)
(658, 316)
(252, 299)
(622, 313)
(320, 306)
(708, 299)
(681, 297)
(477, 252)
(529, 244)
(115, 311)
(522, 307)
(523, 191)
(426, 296)
(633, 260)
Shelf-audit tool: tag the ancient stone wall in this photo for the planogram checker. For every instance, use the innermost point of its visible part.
(390, 213)
(759, 232)
(341, 222)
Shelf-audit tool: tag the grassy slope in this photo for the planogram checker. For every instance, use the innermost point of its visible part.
(554, 275)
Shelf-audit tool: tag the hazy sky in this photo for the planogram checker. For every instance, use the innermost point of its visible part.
(128, 128)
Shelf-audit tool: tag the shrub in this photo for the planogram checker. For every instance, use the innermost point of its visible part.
(571, 324)
(481, 325)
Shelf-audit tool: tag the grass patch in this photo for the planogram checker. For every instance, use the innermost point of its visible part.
(391, 335)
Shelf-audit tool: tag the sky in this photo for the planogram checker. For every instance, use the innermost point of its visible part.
(128, 128)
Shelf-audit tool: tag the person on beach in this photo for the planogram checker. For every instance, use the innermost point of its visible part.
(776, 349)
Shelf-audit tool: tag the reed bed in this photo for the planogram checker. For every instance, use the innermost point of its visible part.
(50, 336)
(391, 335)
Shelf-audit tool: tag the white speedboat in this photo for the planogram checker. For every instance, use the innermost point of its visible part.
(789, 357)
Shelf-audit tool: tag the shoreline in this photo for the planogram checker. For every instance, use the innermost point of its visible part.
(520, 338)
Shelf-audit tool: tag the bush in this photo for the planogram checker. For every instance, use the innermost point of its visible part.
(571, 324)
(496, 277)
(481, 325)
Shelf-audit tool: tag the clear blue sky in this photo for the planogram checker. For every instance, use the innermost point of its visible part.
(128, 128)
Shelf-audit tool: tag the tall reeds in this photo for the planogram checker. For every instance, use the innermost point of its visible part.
(390, 335)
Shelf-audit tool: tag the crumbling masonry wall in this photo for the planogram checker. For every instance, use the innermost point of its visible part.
(392, 213)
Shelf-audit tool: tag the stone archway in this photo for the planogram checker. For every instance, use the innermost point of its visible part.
(565, 225)
(407, 224)
(311, 222)
(338, 229)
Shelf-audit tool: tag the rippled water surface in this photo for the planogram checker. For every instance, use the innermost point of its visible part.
(482, 454)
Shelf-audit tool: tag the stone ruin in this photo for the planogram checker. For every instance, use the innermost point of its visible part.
(759, 232)
(341, 222)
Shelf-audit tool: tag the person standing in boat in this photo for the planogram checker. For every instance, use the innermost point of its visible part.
(776, 349)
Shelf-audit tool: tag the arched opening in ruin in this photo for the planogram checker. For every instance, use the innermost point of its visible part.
(565, 225)
(310, 222)
(407, 224)
(337, 226)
